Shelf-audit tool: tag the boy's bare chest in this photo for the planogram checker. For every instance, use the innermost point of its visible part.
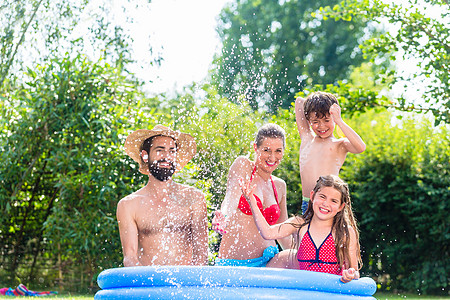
(326, 157)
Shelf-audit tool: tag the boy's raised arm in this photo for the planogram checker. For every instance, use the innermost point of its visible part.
(302, 123)
(353, 143)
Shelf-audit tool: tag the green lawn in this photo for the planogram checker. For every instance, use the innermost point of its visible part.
(390, 296)
(378, 296)
(57, 297)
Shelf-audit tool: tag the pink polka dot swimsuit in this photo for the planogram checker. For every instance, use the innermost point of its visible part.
(322, 259)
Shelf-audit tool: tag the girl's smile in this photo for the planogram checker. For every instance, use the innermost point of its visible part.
(327, 202)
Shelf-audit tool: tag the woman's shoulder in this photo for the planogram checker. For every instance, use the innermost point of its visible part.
(242, 162)
(278, 180)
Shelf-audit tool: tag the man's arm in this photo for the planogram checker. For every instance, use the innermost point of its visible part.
(128, 233)
(353, 142)
(199, 231)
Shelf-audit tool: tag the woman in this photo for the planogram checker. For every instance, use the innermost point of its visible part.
(242, 245)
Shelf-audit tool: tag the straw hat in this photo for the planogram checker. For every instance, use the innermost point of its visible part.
(186, 147)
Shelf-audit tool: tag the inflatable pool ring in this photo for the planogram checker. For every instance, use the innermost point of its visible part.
(194, 282)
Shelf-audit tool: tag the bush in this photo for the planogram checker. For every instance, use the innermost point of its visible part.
(400, 190)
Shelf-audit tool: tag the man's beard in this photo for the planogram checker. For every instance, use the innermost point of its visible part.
(162, 174)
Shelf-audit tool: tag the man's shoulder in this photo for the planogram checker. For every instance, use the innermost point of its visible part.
(189, 196)
(131, 198)
(128, 205)
(188, 190)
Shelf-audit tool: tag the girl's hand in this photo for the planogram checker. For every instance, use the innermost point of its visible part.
(335, 112)
(247, 190)
(349, 275)
(219, 222)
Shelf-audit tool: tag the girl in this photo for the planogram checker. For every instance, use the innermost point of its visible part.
(327, 235)
(241, 244)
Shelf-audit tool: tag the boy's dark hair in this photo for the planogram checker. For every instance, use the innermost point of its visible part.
(318, 103)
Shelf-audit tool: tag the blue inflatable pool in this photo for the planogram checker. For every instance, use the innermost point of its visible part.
(191, 282)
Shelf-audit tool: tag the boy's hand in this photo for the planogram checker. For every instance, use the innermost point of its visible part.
(349, 275)
(219, 222)
(335, 112)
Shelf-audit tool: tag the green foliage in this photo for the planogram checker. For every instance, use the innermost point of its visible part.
(63, 167)
(289, 167)
(223, 131)
(34, 31)
(64, 170)
(421, 35)
(273, 49)
(400, 190)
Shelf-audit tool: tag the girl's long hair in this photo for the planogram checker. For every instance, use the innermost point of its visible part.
(341, 222)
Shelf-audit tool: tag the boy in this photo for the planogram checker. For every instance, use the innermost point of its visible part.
(320, 152)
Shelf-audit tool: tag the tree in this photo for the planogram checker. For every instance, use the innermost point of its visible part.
(63, 168)
(33, 31)
(420, 37)
(273, 49)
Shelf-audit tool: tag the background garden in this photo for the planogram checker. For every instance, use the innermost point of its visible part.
(65, 113)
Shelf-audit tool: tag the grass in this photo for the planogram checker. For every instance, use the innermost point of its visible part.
(391, 296)
(378, 296)
(57, 297)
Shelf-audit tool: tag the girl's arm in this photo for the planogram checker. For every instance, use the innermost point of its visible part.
(352, 272)
(268, 232)
(286, 242)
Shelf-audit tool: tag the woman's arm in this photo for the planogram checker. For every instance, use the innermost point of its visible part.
(241, 168)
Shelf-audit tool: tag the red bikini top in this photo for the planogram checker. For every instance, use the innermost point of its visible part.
(271, 213)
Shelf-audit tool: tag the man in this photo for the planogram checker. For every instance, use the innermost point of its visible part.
(163, 223)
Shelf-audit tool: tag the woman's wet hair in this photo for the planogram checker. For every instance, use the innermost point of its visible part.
(270, 130)
(318, 104)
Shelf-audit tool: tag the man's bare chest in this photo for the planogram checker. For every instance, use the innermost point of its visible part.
(158, 219)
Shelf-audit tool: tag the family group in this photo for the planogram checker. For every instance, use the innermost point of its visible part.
(165, 222)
